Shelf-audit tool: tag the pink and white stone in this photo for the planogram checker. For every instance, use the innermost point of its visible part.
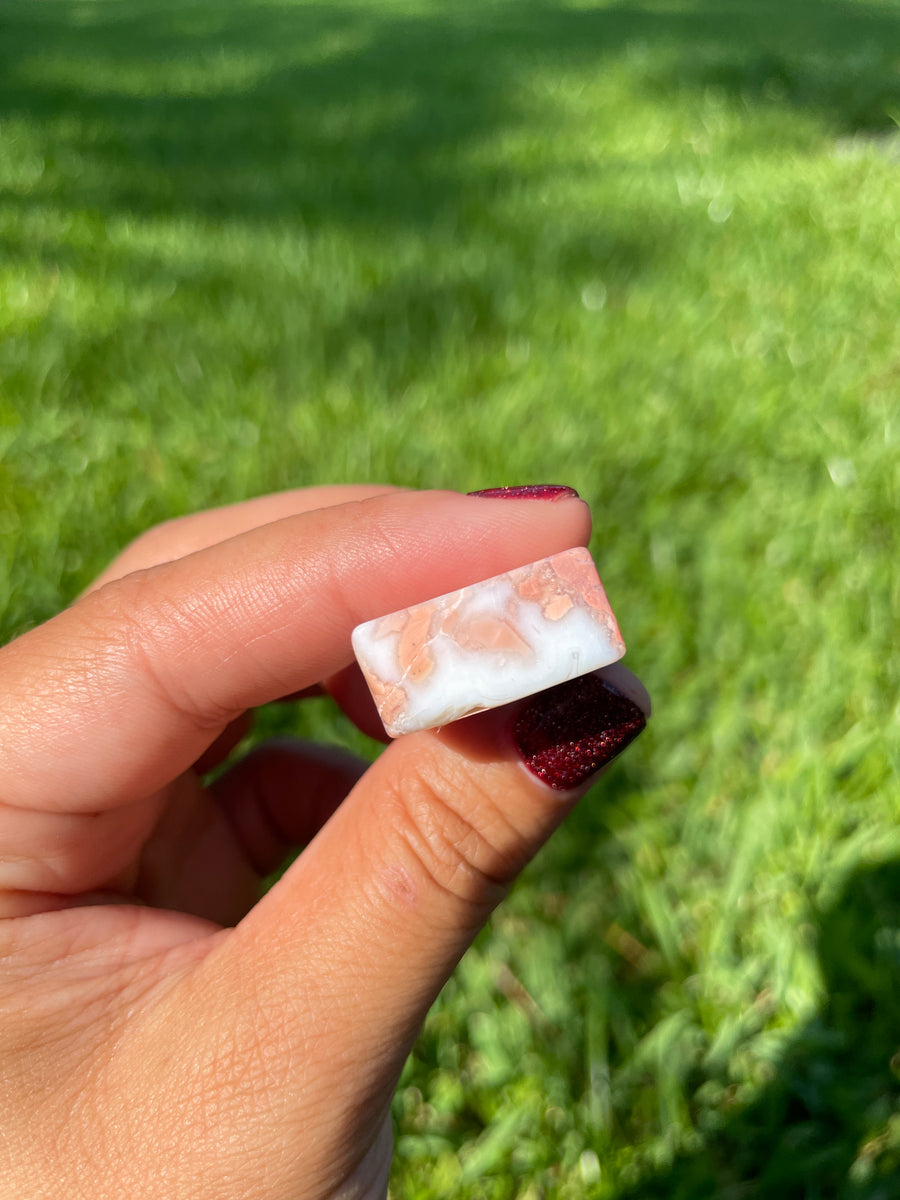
(488, 644)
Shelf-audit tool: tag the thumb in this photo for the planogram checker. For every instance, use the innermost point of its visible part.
(396, 885)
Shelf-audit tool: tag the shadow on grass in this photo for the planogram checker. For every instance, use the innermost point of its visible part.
(828, 1126)
(354, 114)
(366, 120)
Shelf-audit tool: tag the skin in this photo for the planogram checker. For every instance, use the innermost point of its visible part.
(164, 1033)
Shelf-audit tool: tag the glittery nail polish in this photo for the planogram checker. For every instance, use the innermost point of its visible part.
(529, 491)
(566, 734)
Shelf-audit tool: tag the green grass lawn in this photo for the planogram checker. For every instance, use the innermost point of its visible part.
(651, 250)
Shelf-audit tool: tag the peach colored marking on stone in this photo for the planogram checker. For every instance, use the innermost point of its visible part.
(449, 621)
(531, 586)
(579, 574)
(390, 699)
(558, 606)
(413, 655)
(596, 598)
(572, 575)
(390, 624)
(484, 631)
(552, 590)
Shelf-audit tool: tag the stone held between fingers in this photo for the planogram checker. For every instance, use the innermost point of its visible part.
(488, 644)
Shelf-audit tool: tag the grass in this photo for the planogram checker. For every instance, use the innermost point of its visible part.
(651, 250)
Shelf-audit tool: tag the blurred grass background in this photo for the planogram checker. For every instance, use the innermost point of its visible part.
(651, 250)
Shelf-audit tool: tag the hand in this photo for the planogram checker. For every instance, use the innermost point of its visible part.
(148, 1049)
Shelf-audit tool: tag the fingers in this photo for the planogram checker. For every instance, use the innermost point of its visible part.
(273, 802)
(408, 868)
(185, 535)
(122, 692)
(279, 796)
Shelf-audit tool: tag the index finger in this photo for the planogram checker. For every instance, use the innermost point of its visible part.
(185, 535)
(119, 694)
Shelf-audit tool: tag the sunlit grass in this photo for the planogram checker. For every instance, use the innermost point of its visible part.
(652, 251)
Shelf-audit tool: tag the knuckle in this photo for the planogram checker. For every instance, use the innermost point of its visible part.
(458, 833)
(140, 630)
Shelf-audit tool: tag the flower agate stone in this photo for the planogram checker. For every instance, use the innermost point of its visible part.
(489, 643)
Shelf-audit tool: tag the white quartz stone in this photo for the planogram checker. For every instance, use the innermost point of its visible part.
(488, 644)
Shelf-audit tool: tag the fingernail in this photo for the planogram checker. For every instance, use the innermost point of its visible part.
(569, 732)
(529, 491)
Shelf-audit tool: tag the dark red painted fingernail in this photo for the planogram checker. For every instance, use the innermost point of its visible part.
(529, 491)
(570, 731)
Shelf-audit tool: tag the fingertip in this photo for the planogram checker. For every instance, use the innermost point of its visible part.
(626, 682)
